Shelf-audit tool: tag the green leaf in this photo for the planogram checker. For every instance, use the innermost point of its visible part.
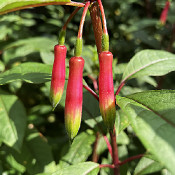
(91, 113)
(28, 72)
(84, 168)
(151, 114)
(35, 156)
(13, 5)
(147, 166)
(79, 151)
(24, 47)
(149, 63)
(12, 119)
(121, 122)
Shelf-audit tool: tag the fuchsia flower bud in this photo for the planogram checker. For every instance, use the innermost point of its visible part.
(164, 13)
(106, 89)
(74, 96)
(58, 74)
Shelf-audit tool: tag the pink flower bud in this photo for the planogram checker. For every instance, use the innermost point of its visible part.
(164, 13)
(58, 74)
(74, 96)
(106, 89)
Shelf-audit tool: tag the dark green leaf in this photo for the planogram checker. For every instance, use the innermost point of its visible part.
(12, 119)
(79, 151)
(35, 156)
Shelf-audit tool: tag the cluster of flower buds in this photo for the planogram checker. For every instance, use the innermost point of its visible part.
(74, 92)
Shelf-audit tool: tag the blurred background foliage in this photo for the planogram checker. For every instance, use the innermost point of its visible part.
(30, 35)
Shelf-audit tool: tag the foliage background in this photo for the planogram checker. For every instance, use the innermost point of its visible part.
(29, 36)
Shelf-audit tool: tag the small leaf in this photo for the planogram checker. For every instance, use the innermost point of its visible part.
(79, 151)
(149, 63)
(151, 114)
(147, 166)
(7, 6)
(13, 120)
(79, 169)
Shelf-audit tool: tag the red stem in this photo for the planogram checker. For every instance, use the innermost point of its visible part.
(115, 152)
(94, 81)
(91, 91)
(70, 17)
(108, 145)
(95, 155)
(80, 32)
(105, 30)
(131, 158)
(120, 87)
(106, 166)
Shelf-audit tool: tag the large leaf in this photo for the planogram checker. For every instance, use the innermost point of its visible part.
(7, 6)
(149, 63)
(12, 120)
(84, 168)
(79, 151)
(28, 72)
(35, 156)
(151, 115)
(24, 47)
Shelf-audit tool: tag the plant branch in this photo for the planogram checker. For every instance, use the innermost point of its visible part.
(115, 152)
(95, 155)
(80, 32)
(94, 81)
(105, 31)
(108, 144)
(70, 18)
(106, 166)
(131, 158)
(72, 3)
(120, 87)
(91, 91)
(97, 25)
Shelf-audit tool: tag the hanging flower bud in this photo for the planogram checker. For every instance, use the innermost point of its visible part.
(58, 75)
(74, 96)
(106, 89)
(164, 13)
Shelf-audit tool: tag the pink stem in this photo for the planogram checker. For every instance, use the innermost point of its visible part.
(94, 81)
(108, 145)
(105, 30)
(120, 87)
(106, 166)
(80, 32)
(91, 91)
(70, 17)
(131, 158)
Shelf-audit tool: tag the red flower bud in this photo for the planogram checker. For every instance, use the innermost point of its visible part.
(58, 74)
(164, 13)
(106, 89)
(74, 96)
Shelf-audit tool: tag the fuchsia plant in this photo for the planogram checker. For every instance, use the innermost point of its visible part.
(138, 109)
